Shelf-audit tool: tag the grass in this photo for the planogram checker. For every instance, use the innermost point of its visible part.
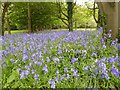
(25, 31)
(16, 31)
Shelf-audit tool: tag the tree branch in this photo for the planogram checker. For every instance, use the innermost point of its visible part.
(94, 13)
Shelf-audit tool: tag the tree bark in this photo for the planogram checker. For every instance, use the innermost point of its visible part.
(118, 22)
(29, 19)
(5, 7)
(110, 10)
(68, 18)
(70, 15)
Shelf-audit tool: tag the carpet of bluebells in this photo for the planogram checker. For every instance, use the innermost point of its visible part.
(60, 59)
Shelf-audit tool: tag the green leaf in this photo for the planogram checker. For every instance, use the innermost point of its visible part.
(13, 76)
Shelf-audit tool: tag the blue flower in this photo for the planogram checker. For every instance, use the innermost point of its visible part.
(40, 63)
(36, 76)
(57, 72)
(75, 73)
(56, 60)
(33, 71)
(59, 51)
(56, 79)
(25, 57)
(68, 76)
(104, 46)
(24, 73)
(118, 63)
(74, 60)
(48, 59)
(115, 71)
(45, 69)
(52, 82)
(118, 46)
(61, 78)
(65, 69)
(86, 68)
(111, 59)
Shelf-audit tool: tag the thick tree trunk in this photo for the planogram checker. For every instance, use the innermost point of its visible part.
(118, 22)
(110, 10)
(29, 19)
(112, 18)
(70, 15)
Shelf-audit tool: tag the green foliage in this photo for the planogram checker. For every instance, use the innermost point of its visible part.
(44, 15)
(83, 17)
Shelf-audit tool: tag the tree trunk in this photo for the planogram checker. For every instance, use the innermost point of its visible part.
(110, 10)
(3, 24)
(70, 15)
(119, 22)
(8, 24)
(5, 7)
(29, 19)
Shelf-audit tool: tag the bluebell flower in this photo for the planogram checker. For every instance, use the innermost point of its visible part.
(106, 75)
(24, 57)
(56, 79)
(59, 51)
(104, 46)
(26, 72)
(77, 51)
(36, 76)
(118, 63)
(109, 35)
(118, 46)
(52, 82)
(25, 50)
(61, 78)
(56, 60)
(42, 60)
(33, 71)
(115, 71)
(45, 69)
(74, 60)
(68, 76)
(57, 72)
(86, 68)
(96, 71)
(65, 69)
(39, 63)
(48, 59)
(75, 73)
(5, 52)
(94, 54)
(111, 59)
(109, 31)
(22, 75)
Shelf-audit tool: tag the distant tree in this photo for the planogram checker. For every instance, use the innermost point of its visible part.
(67, 18)
(29, 19)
